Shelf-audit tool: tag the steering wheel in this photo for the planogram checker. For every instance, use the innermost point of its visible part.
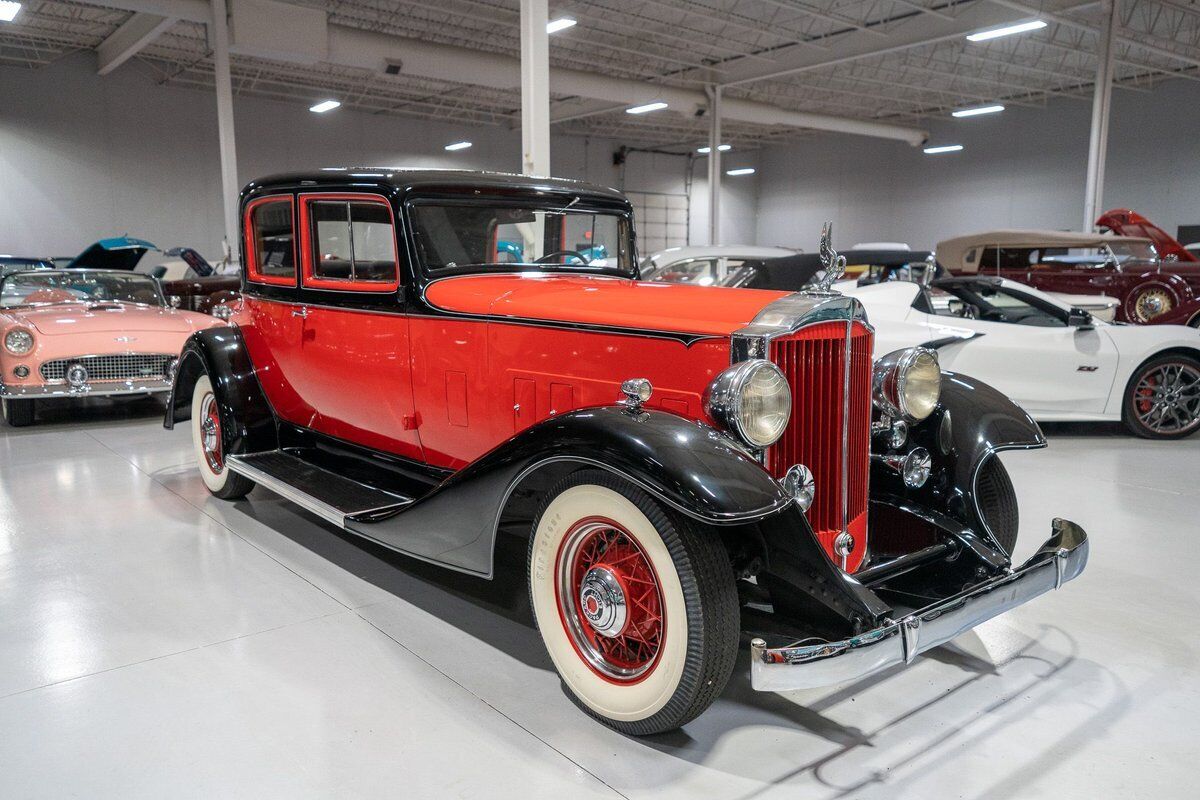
(571, 253)
(992, 315)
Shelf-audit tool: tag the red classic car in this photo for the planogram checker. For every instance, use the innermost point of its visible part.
(681, 463)
(86, 333)
(1129, 269)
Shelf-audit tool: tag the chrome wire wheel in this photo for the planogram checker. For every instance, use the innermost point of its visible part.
(1166, 398)
(1152, 303)
(609, 600)
(210, 433)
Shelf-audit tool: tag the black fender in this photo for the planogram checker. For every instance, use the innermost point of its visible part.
(247, 420)
(982, 422)
(688, 465)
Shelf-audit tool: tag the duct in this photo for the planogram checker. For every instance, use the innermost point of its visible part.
(354, 47)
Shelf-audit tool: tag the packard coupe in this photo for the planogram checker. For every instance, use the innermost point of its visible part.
(687, 464)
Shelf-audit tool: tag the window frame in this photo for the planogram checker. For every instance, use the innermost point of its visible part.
(309, 279)
(253, 273)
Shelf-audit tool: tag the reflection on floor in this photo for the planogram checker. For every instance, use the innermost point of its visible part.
(156, 642)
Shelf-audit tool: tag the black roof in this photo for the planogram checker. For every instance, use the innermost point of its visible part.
(434, 179)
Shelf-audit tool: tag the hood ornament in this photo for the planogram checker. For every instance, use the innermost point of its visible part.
(833, 266)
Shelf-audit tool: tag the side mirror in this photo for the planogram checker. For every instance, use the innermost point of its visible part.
(1078, 318)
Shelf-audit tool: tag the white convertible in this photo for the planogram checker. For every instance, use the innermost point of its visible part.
(1058, 362)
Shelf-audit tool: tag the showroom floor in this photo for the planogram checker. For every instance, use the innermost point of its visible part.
(157, 642)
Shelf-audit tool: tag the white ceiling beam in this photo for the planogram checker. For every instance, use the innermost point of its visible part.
(126, 41)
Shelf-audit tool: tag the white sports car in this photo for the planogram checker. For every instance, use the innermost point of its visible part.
(1058, 362)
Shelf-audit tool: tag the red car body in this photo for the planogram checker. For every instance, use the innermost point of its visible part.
(1126, 222)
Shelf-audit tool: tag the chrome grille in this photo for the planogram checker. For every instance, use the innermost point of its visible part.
(122, 367)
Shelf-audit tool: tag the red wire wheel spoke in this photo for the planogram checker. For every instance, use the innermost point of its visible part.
(609, 600)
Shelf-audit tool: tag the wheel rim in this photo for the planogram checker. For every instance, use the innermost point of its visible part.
(610, 601)
(210, 433)
(1166, 398)
(1152, 303)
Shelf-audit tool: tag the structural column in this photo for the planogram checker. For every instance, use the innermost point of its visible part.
(1101, 107)
(535, 88)
(714, 165)
(219, 33)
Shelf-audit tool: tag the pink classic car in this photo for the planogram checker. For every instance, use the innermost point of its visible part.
(79, 333)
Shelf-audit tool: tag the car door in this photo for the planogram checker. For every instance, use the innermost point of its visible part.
(1051, 369)
(354, 367)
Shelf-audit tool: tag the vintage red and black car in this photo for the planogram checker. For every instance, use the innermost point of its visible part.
(682, 465)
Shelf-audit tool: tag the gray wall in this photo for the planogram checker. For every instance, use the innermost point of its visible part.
(83, 157)
(1024, 167)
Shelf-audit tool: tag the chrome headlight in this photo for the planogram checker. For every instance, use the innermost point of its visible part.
(907, 383)
(18, 341)
(753, 400)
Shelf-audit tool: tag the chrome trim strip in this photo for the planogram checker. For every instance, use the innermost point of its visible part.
(805, 666)
(846, 434)
(44, 391)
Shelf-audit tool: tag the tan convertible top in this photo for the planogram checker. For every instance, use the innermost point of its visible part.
(952, 253)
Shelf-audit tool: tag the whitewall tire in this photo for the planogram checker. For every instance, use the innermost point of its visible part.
(208, 442)
(636, 605)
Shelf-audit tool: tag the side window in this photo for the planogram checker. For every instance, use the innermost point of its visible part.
(271, 241)
(350, 244)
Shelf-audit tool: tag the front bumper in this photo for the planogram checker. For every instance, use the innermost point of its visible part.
(42, 391)
(807, 666)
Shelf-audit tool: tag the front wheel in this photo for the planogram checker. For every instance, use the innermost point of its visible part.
(636, 605)
(209, 444)
(1162, 399)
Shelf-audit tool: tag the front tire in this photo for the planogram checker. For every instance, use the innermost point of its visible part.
(209, 444)
(636, 605)
(18, 413)
(997, 501)
(1162, 399)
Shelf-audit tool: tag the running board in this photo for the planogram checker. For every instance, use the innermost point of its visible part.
(330, 496)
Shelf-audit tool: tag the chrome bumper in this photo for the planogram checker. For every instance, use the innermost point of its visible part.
(42, 391)
(807, 666)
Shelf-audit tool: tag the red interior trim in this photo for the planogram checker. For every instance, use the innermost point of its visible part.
(252, 270)
(310, 279)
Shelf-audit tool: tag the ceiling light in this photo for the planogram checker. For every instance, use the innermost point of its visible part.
(975, 112)
(458, 146)
(945, 148)
(724, 148)
(324, 105)
(8, 10)
(1008, 30)
(655, 106)
(560, 24)
(741, 171)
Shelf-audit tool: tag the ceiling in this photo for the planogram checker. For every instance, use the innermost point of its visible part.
(902, 61)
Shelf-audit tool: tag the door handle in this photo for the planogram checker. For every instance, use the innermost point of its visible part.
(301, 312)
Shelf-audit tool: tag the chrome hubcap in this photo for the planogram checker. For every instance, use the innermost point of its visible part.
(602, 601)
(1151, 304)
(1167, 398)
(210, 433)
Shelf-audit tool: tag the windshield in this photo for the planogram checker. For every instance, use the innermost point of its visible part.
(474, 237)
(992, 304)
(721, 271)
(47, 287)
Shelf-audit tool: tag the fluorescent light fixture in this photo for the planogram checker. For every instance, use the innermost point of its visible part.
(975, 112)
(724, 148)
(560, 24)
(655, 106)
(1007, 30)
(740, 171)
(458, 146)
(324, 105)
(8, 10)
(945, 148)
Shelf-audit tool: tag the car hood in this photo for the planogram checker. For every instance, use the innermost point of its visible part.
(602, 301)
(121, 252)
(81, 319)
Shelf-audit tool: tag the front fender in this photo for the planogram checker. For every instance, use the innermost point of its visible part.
(688, 465)
(247, 421)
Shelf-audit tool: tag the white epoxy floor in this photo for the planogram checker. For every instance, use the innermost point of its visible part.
(156, 642)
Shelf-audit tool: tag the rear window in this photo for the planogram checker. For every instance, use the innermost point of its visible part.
(272, 240)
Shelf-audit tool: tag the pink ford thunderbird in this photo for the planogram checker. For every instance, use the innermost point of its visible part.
(80, 333)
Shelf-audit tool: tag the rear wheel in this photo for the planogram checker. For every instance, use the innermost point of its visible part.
(18, 413)
(209, 444)
(636, 606)
(1162, 399)
(998, 503)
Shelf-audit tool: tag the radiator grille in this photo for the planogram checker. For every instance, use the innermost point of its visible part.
(814, 361)
(122, 367)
